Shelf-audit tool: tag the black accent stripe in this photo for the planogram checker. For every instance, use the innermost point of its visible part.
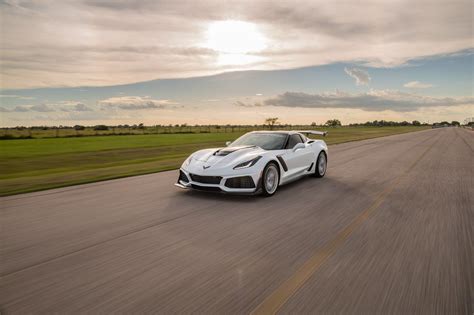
(206, 188)
(282, 162)
(310, 167)
(286, 141)
(229, 150)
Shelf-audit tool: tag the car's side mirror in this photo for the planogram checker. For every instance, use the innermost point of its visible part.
(299, 146)
(228, 143)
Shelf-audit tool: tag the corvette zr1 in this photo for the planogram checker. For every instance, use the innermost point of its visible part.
(257, 162)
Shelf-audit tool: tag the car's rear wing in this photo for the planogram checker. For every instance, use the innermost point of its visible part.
(313, 132)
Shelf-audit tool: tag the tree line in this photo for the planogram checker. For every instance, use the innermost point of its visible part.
(271, 123)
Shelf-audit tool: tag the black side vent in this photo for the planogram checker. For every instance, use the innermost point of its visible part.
(240, 182)
(282, 162)
(183, 177)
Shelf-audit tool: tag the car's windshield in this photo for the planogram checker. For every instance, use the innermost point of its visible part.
(266, 141)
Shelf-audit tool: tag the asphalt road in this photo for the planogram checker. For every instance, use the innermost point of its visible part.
(388, 230)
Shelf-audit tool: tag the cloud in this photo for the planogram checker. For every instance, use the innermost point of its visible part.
(374, 100)
(242, 104)
(134, 103)
(361, 76)
(417, 85)
(16, 96)
(21, 109)
(166, 39)
(72, 106)
(81, 108)
(41, 108)
(64, 106)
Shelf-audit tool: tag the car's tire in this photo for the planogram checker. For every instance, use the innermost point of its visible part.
(270, 179)
(321, 165)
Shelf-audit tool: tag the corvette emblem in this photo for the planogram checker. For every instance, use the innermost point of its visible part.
(206, 166)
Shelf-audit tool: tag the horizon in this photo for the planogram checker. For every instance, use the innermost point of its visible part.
(277, 125)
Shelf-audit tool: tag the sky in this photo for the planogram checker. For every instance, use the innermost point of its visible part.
(234, 62)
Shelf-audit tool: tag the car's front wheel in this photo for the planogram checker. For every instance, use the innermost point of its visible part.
(270, 180)
(321, 165)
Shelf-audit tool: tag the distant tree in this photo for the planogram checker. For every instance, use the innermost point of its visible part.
(141, 126)
(455, 123)
(416, 123)
(271, 122)
(333, 123)
(101, 127)
(313, 124)
(79, 127)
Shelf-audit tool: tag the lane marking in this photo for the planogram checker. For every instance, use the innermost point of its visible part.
(464, 140)
(272, 303)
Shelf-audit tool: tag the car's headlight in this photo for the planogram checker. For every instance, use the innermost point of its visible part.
(188, 160)
(247, 163)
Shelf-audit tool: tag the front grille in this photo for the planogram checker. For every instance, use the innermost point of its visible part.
(206, 179)
(206, 188)
(183, 177)
(240, 182)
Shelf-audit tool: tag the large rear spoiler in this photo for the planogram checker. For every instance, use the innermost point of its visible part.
(313, 132)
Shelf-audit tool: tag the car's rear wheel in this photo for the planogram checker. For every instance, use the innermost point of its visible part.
(270, 180)
(321, 165)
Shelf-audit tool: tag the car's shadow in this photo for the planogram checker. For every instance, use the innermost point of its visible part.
(297, 185)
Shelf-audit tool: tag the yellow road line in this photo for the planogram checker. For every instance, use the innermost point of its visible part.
(287, 289)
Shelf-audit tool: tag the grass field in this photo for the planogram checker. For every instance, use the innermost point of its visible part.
(36, 164)
(64, 132)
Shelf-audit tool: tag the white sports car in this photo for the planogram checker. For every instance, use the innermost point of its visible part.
(258, 161)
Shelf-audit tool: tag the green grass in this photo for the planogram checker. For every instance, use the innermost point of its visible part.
(36, 164)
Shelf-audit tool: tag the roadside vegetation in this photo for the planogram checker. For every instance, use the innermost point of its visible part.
(42, 163)
(273, 123)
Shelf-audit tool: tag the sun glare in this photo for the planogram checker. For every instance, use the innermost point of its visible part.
(235, 40)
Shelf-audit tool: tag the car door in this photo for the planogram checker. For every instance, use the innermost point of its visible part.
(299, 160)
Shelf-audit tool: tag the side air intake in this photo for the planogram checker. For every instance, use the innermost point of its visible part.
(240, 182)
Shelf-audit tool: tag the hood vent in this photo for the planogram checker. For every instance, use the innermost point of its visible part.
(223, 152)
(227, 151)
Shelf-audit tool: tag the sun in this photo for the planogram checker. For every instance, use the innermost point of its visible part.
(235, 37)
(235, 41)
